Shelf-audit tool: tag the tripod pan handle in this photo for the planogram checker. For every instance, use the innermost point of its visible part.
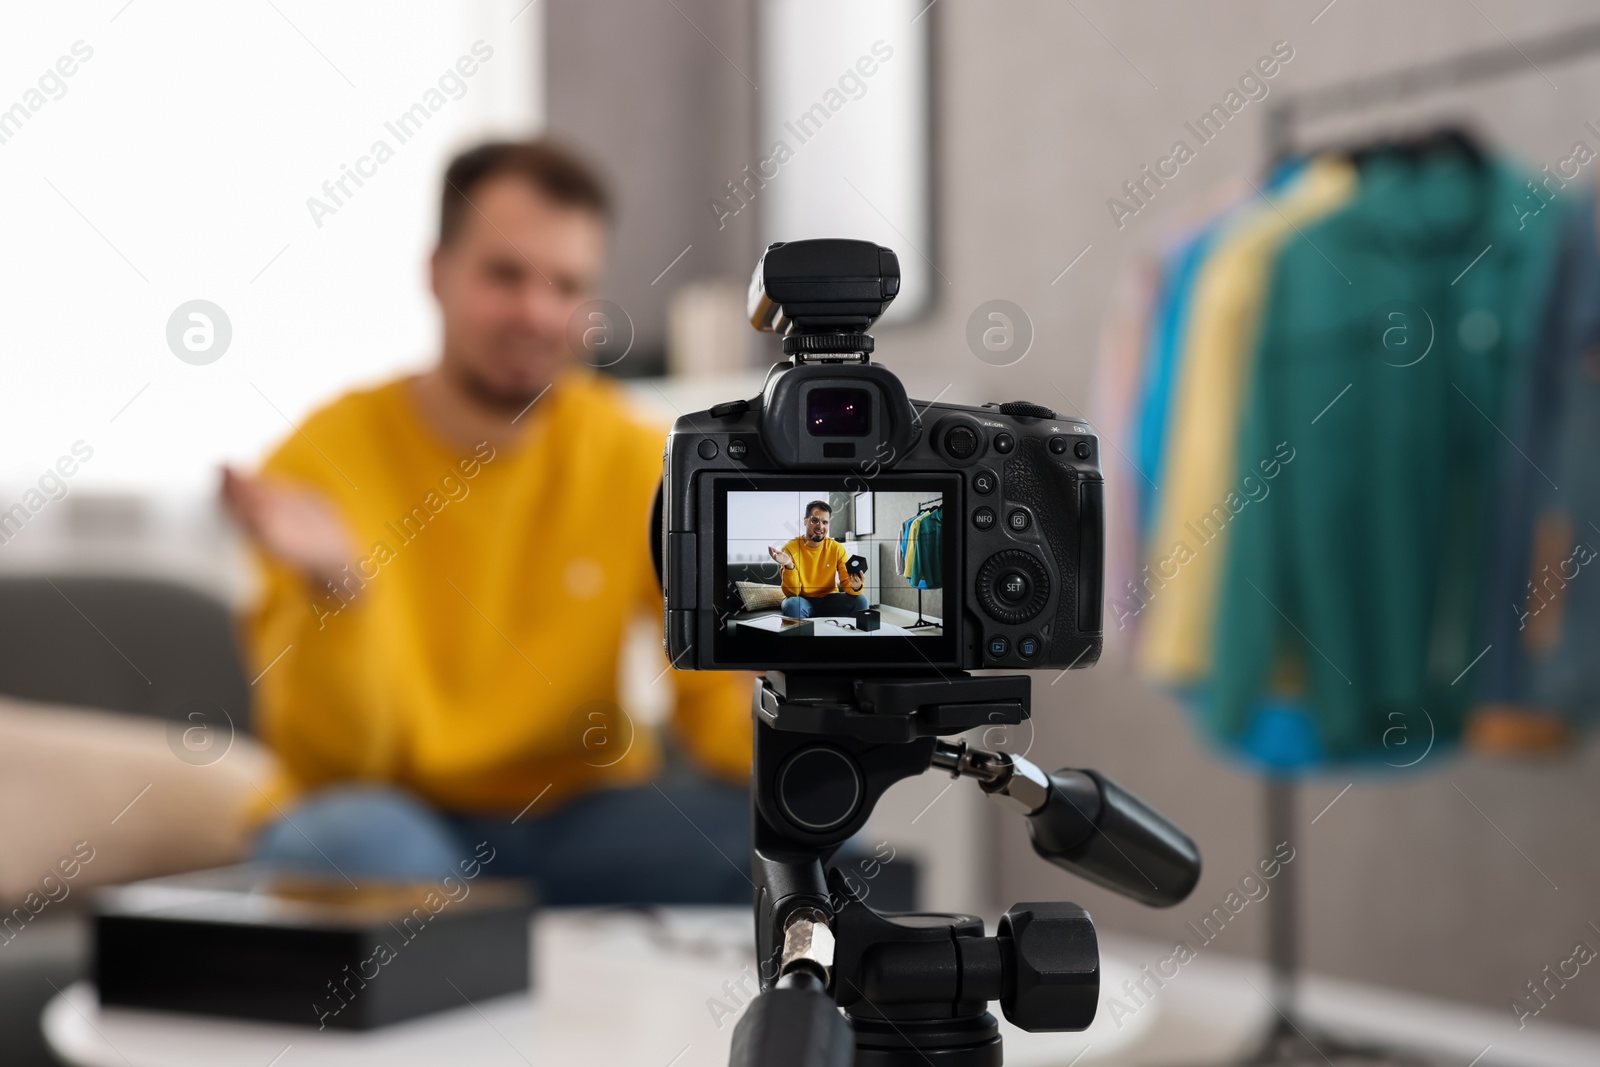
(1099, 831)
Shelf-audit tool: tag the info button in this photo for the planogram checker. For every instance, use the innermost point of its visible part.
(984, 518)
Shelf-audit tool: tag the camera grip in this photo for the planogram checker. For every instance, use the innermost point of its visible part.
(1069, 509)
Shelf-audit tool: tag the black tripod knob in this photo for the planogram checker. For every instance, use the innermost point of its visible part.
(1054, 964)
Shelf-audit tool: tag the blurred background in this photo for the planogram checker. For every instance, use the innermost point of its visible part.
(194, 152)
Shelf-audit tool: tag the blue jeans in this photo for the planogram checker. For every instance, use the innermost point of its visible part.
(677, 844)
(806, 607)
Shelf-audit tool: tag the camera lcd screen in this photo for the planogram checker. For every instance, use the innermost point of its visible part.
(838, 412)
(800, 585)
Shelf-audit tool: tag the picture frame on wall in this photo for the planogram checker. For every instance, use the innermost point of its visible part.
(863, 513)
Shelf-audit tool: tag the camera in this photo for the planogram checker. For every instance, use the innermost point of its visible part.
(865, 552)
(976, 534)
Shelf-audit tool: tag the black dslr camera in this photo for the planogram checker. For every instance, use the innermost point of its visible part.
(983, 524)
(927, 539)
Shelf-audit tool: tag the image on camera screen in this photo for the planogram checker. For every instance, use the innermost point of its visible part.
(836, 563)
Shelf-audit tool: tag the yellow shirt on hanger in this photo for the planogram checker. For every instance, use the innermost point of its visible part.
(1200, 495)
(911, 546)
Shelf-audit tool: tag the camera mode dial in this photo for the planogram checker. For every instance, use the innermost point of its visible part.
(1026, 408)
(1013, 586)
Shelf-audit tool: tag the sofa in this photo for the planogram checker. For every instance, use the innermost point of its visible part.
(125, 753)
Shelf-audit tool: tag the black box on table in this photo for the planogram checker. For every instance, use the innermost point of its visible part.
(254, 944)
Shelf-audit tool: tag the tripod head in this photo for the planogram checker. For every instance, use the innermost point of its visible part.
(914, 988)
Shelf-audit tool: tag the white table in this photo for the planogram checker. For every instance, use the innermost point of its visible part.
(821, 626)
(836, 626)
(610, 987)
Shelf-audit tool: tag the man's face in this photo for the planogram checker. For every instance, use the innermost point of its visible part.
(518, 269)
(817, 526)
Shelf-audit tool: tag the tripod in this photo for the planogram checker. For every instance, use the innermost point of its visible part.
(915, 988)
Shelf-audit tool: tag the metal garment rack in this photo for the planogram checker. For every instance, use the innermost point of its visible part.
(1453, 72)
(924, 505)
(1289, 1033)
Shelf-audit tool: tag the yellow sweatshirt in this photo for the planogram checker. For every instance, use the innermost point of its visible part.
(818, 569)
(471, 653)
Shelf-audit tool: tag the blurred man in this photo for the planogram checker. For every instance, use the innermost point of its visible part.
(814, 568)
(452, 561)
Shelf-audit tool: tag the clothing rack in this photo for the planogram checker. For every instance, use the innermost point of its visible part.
(925, 505)
(1289, 1032)
(1453, 72)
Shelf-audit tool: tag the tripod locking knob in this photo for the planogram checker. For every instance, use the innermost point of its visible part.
(1053, 959)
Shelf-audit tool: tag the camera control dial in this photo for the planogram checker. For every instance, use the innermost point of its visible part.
(1013, 586)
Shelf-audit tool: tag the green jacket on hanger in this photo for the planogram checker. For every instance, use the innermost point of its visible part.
(1391, 330)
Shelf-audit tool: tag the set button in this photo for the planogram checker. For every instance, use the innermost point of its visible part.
(1013, 587)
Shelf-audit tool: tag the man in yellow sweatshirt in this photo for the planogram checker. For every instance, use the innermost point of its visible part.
(814, 568)
(452, 560)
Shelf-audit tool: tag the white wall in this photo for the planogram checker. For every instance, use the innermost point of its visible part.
(176, 164)
(757, 520)
(1045, 109)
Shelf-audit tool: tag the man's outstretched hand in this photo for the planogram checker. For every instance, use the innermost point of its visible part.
(781, 558)
(297, 526)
